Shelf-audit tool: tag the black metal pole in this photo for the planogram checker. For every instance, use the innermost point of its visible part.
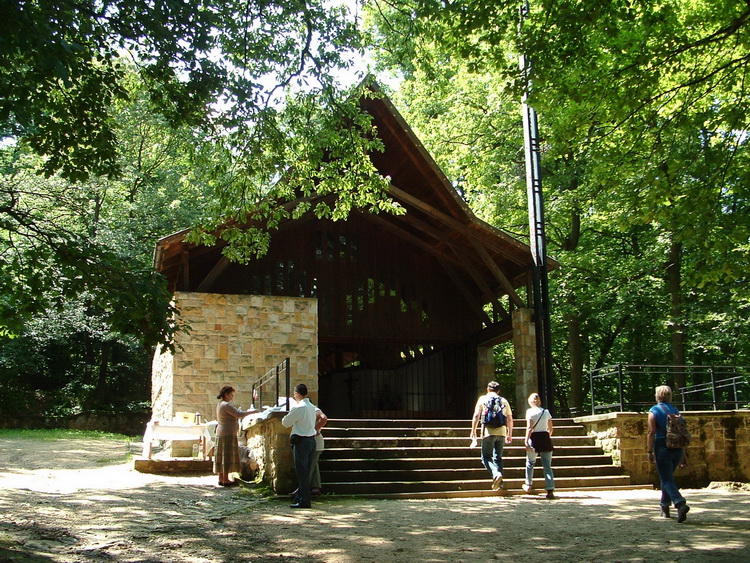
(536, 233)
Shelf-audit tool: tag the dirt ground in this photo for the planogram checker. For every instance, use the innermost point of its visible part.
(80, 500)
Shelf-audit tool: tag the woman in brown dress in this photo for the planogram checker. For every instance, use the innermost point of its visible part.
(227, 453)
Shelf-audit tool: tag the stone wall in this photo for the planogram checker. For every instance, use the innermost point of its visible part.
(718, 451)
(269, 442)
(233, 340)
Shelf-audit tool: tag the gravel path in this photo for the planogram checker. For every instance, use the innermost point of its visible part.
(80, 500)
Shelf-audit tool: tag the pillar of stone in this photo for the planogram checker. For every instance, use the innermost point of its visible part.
(524, 346)
(485, 369)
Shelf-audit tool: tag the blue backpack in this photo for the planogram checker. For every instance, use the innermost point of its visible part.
(493, 413)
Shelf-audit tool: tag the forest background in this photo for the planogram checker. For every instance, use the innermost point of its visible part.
(123, 121)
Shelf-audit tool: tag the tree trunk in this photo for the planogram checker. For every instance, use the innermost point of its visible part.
(101, 382)
(573, 322)
(674, 281)
(575, 348)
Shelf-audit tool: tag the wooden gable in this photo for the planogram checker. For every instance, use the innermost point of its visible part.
(432, 277)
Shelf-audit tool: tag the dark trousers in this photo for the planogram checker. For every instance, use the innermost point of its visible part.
(303, 456)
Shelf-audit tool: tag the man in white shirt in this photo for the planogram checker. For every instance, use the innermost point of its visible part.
(302, 421)
(493, 437)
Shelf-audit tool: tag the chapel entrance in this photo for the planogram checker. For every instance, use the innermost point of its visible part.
(382, 380)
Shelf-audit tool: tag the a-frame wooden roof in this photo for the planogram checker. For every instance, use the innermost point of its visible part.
(486, 265)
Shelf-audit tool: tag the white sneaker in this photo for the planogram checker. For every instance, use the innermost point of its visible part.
(526, 488)
(496, 482)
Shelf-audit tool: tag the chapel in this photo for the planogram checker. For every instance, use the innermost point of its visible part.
(382, 316)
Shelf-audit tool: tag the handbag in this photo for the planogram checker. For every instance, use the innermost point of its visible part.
(540, 441)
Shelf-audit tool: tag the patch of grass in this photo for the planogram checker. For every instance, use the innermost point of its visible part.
(47, 435)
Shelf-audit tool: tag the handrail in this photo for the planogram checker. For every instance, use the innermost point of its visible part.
(272, 375)
(631, 386)
(730, 382)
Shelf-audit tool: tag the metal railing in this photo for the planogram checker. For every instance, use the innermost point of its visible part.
(270, 383)
(622, 387)
(734, 385)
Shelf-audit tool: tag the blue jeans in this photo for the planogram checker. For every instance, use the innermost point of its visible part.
(492, 454)
(303, 455)
(667, 461)
(549, 476)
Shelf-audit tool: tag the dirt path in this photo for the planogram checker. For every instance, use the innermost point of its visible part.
(78, 500)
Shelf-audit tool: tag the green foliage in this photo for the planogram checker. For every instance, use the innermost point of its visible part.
(314, 151)
(122, 121)
(255, 83)
(60, 434)
(644, 156)
(80, 295)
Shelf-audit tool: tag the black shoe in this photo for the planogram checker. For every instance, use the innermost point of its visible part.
(665, 511)
(551, 494)
(299, 505)
(682, 511)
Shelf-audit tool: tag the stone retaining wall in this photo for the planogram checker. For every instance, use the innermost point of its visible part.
(269, 442)
(233, 340)
(719, 450)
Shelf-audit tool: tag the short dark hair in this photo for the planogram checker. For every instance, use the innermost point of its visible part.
(493, 386)
(301, 388)
(226, 390)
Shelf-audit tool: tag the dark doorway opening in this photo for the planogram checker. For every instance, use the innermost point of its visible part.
(397, 381)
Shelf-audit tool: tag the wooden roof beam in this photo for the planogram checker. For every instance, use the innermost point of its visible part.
(476, 306)
(495, 334)
(437, 235)
(215, 272)
(488, 293)
(404, 234)
(497, 272)
(444, 218)
(444, 260)
(425, 228)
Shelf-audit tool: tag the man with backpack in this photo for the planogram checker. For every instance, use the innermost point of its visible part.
(493, 413)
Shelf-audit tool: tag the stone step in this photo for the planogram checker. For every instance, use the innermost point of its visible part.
(432, 431)
(465, 462)
(479, 493)
(412, 487)
(351, 423)
(172, 466)
(377, 442)
(464, 474)
(434, 450)
(432, 459)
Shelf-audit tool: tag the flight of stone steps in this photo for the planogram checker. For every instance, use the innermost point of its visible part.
(433, 459)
